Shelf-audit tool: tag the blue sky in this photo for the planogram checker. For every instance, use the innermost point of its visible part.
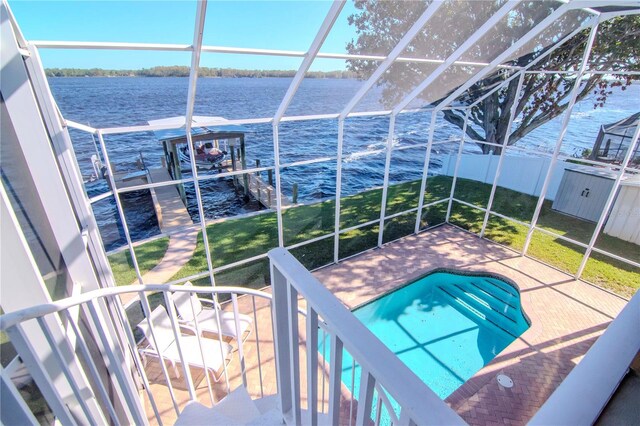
(280, 25)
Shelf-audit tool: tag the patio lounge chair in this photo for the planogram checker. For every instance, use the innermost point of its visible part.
(207, 321)
(216, 353)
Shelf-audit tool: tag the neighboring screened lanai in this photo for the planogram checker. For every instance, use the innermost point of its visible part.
(615, 139)
(456, 103)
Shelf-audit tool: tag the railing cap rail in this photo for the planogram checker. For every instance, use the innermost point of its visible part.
(12, 318)
(421, 402)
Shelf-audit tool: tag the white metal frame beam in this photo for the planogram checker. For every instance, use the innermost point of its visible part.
(549, 20)
(310, 56)
(382, 68)
(191, 99)
(94, 45)
(563, 130)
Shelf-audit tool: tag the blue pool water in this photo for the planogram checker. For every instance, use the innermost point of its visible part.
(444, 326)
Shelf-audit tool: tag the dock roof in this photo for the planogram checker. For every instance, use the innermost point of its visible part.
(220, 129)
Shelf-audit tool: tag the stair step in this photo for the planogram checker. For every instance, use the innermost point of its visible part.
(271, 417)
(197, 414)
(267, 403)
(237, 408)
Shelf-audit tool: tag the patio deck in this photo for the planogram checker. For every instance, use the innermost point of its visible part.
(567, 317)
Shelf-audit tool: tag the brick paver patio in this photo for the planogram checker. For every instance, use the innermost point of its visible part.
(567, 317)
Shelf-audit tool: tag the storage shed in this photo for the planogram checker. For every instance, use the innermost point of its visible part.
(583, 193)
(624, 220)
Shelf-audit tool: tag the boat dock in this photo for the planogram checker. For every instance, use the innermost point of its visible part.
(170, 209)
(263, 192)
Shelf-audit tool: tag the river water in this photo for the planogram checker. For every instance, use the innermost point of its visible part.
(106, 102)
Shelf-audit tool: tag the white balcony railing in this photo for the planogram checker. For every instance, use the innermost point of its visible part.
(112, 361)
(381, 370)
(100, 336)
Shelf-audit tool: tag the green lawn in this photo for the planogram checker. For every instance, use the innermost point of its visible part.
(148, 256)
(605, 271)
(237, 239)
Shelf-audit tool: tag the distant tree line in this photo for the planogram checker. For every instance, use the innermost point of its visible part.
(183, 71)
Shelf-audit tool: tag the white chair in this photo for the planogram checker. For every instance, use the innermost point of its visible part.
(207, 321)
(165, 347)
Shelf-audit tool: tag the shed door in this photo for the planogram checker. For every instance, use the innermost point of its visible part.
(568, 199)
(595, 197)
(582, 195)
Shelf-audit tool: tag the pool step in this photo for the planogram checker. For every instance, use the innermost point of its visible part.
(480, 308)
(507, 305)
(498, 287)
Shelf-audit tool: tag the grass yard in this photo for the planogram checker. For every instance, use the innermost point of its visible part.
(238, 239)
(602, 270)
(148, 256)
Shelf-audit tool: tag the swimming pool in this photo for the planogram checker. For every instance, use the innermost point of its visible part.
(444, 326)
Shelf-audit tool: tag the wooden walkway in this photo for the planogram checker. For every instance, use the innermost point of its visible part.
(170, 209)
(174, 220)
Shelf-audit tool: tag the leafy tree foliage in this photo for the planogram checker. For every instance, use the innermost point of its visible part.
(380, 24)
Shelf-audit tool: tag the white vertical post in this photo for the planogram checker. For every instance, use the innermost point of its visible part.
(609, 203)
(282, 344)
(276, 161)
(563, 130)
(457, 167)
(309, 57)
(385, 185)
(191, 98)
(365, 397)
(335, 379)
(312, 365)
(240, 340)
(505, 144)
(294, 353)
(336, 237)
(425, 171)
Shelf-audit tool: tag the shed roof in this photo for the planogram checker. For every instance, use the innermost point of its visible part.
(221, 128)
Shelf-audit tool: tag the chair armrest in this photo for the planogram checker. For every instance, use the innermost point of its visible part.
(186, 326)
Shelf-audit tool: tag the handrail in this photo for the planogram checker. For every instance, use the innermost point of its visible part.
(102, 318)
(422, 405)
(12, 318)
